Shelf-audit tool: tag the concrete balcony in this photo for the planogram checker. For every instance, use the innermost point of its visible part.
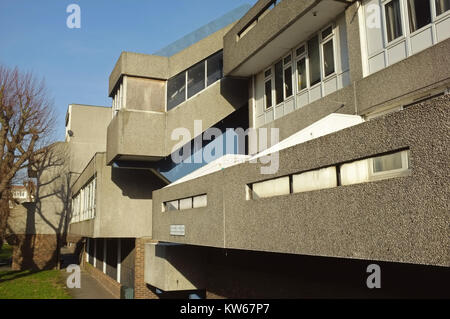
(264, 34)
(402, 219)
(123, 201)
(145, 135)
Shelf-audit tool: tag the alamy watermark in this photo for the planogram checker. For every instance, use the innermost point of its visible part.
(74, 19)
(74, 279)
(374, 279)
(232, 141)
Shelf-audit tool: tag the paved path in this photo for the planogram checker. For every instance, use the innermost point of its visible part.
(90, 288)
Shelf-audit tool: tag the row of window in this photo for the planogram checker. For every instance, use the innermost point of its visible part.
(313, 62)
(186, 203)
(191, 81)
(419, 15)
(361, 171)
(84, 203)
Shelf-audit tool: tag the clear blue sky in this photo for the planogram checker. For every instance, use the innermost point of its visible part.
(76, 63)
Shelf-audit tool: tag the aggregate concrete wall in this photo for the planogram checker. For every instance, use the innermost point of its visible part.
(404, 219)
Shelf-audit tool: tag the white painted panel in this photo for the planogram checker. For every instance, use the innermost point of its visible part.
(186, 203)
(355, 172)
(443, 29)
(302, 99)
(421, 40)
(269, 115)
(289, 106)
(377, 62)
(330, 85)
(314, 180)
(315, 93)
(374, 35)
(279, 110)
(260, 120)
(200, 201)
(397, 52)
(274, 187)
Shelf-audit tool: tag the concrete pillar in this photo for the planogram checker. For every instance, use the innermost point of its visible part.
(119, 259)
(354, 42)
(104, 255)
(95, 251)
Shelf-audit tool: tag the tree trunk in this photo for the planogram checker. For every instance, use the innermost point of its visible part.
(4, 215)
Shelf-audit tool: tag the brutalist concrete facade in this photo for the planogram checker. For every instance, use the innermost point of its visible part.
(383, 220)
(310, 244)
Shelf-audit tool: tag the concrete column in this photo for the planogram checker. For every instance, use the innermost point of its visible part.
(119, 259)
(87, 249)
(104, 255)
(354, 42)
(95, 251)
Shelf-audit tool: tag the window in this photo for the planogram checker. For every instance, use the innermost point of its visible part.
(419, 14)
(84, 203)
(328, 57)
(196, 79)
(273, 187)
(287, 76)
(442, 6)
(279, 97)
(288, 82)
(185, 203)
(268, 93)
(176, 90)
(375, 168)
(301, 74)
(393, 20)
(314, 61)
(214, 68)
(314, 180)
(300, 51)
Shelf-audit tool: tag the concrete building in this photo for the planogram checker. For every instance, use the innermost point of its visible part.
(38, 227)
(357, 95)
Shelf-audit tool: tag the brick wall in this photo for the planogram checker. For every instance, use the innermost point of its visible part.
(34, 252)
(141, 290)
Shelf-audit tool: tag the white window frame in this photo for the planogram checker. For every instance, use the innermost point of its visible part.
(322, 42)
(387, 43)
(271, 79)
(373, 176)
(286, 66)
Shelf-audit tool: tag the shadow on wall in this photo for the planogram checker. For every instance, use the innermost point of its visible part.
(136, 183)
(235, 91)
(38, 235)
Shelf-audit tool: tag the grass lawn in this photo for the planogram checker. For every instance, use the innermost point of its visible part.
(48, 284)
(5, 252)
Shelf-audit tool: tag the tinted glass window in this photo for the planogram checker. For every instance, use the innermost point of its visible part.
(314, 61)
(288, 81)
(196, 79)
(176, 90)
(393, 20)
(301, 69)
(328, 58)
(442, 6)
(268, 93)
(419, 14)
(279, 82)
(215, 67)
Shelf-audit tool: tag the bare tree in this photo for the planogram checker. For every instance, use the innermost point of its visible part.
(26, 121)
